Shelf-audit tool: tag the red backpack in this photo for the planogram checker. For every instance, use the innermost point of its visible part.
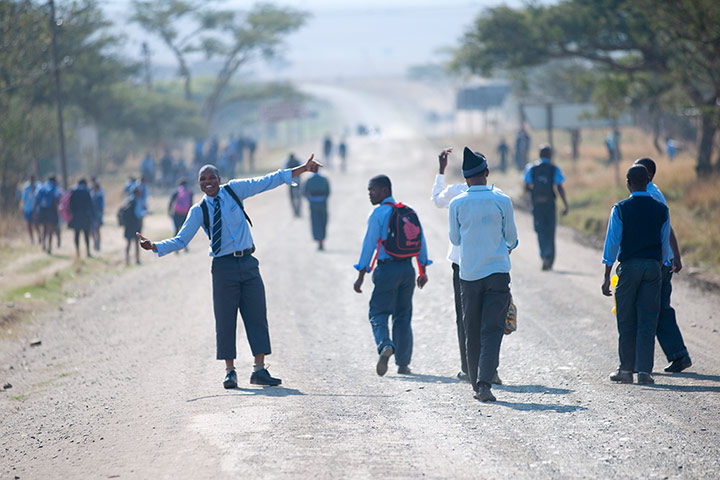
(404, 238)
(183, 201)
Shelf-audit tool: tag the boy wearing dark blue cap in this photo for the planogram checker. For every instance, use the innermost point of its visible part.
(482, 224)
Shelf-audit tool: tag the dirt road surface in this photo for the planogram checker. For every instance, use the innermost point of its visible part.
(125, 384)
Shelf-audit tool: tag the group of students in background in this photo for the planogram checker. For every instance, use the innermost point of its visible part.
(46, 205)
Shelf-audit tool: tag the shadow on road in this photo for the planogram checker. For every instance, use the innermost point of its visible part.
(577, 274)
(267, 391)
(420, 377)
(541, 407)
(690, 375)
(685, 388)
(533, 389)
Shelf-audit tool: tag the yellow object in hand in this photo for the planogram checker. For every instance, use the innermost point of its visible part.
(613, 284)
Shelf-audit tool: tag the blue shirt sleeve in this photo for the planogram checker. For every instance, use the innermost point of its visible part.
(509, 229)
(252, 186)
(559, 177)
(528, 178)
(188, 230)
(423, 255)
(613, 237)
(370, 242)
(454, 226)
(665, 239)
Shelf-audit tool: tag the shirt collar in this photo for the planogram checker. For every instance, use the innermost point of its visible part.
(388, 199)
(544, 160)
(481, 188)
(640, 194)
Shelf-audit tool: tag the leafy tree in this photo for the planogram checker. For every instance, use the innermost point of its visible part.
(651, 47)
(232, 37)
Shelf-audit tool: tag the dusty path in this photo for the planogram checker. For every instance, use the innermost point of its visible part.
(125, 384)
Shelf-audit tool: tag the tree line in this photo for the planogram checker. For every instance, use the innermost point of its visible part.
(659, 55)
(103, 89)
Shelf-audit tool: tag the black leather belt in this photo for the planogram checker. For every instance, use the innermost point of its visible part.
(393, 260)
(241, 253)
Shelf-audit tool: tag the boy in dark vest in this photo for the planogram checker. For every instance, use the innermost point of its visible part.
(542, 178)
(394, 280)
(638, 236)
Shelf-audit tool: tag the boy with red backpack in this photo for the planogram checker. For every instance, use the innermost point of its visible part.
(395, 234)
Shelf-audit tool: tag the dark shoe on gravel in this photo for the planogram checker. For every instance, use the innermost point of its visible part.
(622, 377)
(463, 377)
(382, 363)
(484, 394)
(230, 379)
(645, 379)
(262, 377)
(678, 365)
(404, 370)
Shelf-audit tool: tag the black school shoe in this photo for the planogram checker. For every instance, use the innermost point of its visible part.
(622, 377)
(230, 379)
(678, 365)
(484, 394)
(262, 377)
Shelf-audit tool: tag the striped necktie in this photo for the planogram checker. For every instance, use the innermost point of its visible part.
(217, 228)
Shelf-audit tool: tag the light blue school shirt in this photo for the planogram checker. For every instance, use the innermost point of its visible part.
(558, 178)
(482, 223)
(377, 229)
(235, 234)
(615, 229)
(653, 190)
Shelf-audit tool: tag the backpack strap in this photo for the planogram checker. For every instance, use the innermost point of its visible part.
(206, 217)
(380, 240)
(237, 199)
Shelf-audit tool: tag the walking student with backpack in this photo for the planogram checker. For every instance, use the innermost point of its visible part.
(130, 217)
(395, 235)
(236, 280)
(81, 214)
(180, 202)
(46, 208)
(542, 179)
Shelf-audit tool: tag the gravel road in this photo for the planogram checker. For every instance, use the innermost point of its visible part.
(125, 384)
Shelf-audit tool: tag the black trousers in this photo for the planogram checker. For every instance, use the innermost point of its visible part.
(485, 305)
(459, 317)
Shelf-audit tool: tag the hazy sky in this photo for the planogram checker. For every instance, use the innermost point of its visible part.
(344, 38)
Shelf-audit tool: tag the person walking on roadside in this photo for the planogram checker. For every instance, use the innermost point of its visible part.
(327, 149)
(394, 277)
(638, 235)
(668, 332)
(29, 192)
(46, 211)
(295, 194)
(81, 211)
(236, 280)
(180, 202)
(130, 217)
(482, 224)
(98, 200)
(317, 191)
(542, 179)
(441, 197)
(503, 151)
(342, 152)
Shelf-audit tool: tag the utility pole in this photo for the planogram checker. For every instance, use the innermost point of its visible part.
(146, 61)
(58, 95)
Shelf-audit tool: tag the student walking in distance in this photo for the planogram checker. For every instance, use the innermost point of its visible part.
(81, 209)
(668, 332)
(317, 191)
(47, 201)
(295, 196)
(180, 202)
(395, 234)
(237, 284)
(542, 179)
(98, 200)
(638, 235)
(442, 196)
(482, 224)
(29, 193)
(130, 217)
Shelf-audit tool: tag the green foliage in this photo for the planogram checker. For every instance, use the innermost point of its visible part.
(645, 49)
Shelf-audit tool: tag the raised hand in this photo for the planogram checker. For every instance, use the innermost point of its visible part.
(443, 159)
(145, 243)
(312, 165)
